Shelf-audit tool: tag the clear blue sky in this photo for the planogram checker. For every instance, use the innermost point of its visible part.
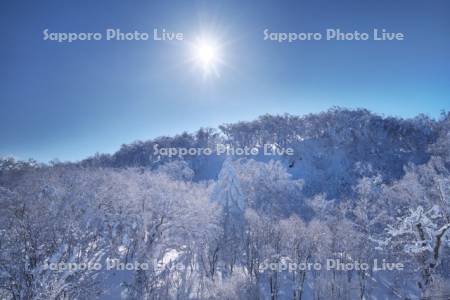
(68, 101)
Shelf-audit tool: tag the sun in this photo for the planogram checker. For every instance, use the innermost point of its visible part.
(206, 53)
(207, 56)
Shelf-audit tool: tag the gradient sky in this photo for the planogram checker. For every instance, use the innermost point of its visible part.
(68, 101)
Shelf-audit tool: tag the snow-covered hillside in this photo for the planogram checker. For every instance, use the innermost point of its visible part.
(337, 147)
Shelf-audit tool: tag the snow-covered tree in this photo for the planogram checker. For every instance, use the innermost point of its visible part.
(228, 194)
(423, 220)
(423, 234)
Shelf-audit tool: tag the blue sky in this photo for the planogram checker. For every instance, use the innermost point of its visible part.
(68, 101)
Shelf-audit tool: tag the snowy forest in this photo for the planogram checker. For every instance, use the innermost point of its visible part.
(359, 188)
